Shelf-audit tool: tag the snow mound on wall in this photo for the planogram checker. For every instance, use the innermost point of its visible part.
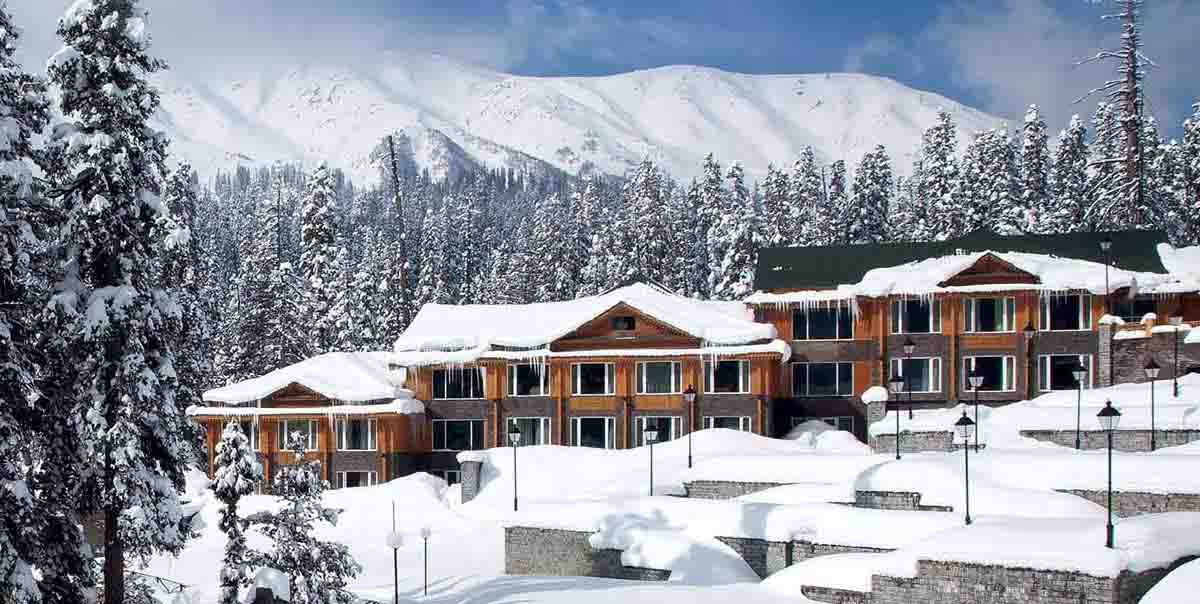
(820, 436)
(1177, 587)
(837, 571)
(691, 559)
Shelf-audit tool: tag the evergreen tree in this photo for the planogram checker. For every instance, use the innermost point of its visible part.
(318, 256)
(832, 217)
(237, 473)
(119, 368)
(711, 212)
(431, 287)
(870, 204)
(317, 570)
(693, 249)
(1035, 164)
(1189, 176)
(934, 216)
(733, 278)
(806, 200)
(987, 188)
(1066, 211)
(649, 231)
(1106, 190)
(778, 215)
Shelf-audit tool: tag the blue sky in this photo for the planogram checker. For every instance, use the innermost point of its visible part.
(997, 55)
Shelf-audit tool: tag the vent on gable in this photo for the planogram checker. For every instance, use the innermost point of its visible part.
(623, 323)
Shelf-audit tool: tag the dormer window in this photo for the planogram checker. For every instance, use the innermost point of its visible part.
(623, 323)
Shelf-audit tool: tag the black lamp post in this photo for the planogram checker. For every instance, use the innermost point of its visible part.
(425, 533)
(909, 347)
(1105, 247)
(689, 397)
(1080, 374)
(650, 435)
(976, 380)
(1109, 418)
(1152, 370)
(896, 385)
(514, 439)
(1029, 332)
(1175, 321)
(966, 428)
(394, 541)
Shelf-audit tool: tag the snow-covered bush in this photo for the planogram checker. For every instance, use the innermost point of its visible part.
(237, 475)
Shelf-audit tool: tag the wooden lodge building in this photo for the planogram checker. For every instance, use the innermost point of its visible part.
(826, 324)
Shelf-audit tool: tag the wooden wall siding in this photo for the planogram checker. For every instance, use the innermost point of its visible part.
(607, 404)
(990, 270)
(644, 325)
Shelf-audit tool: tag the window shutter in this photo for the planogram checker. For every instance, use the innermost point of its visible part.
(968, 314)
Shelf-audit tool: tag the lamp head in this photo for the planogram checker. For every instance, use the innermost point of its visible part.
(896, 384)
(909, 346)
(1079, 372)
(964, 426)
(689, 395)
(514, 435)
(1106, 244)
(426, 532)
(975, 378)
(1109, 417)
(1029, 330)
(1152, 369)
(650, 435)
(395, 540)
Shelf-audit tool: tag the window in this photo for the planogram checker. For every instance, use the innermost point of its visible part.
(591, 378)
(1056, 371)
(916, 316)
(349, 480)
(985, 315)
(250, 429)
(731, 422)
(457, 383)
(306, 427)
(658, 377)
(534, 430)
(457, 434)
(528, 379)
(356, 434)
(623, 323)
(667, 427)
(838, 422)
(1066, 313)
(1132, 310)
(596, 432)
(822, 379)
(822, 324)
(998, 373)
(450, 476)
(727, 377)
(921, 375)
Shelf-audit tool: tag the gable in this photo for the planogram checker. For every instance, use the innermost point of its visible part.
(990, 270)
(294, 394)
(611, 329)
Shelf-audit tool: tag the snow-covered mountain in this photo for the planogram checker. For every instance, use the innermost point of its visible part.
(454, 116)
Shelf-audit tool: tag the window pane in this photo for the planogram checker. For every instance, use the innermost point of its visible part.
(799, 325)
(916, 316)
(992, 370)
(439, 435)
(657, 378)
(1064, 312)
(663, 425)
(988, 314)
(592, 378)
(845, 324)
(458, 435)
(1061, 372)
(533, 430)
(822, 323)
(917, 374)
(725, 377)
(822, 379)
(799, 379)
(728, 423)
(477, 435)
(591, 432)
(251, 434)
(845, 379)
(439, 383)
(528, 380)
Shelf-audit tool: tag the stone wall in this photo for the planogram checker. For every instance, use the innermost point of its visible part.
(834, 596)
(914, 442)
(895, 500)
(538, 551)
(763, 557)
(1133, 503)
(1123, 440)
(725, 489)
(469, 477)
(1130, 356)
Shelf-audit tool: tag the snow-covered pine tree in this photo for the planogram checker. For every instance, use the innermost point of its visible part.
(431, 286)
(693, 249)
(711, 212)
(1189, 167)
(934, 215)
(1065, 212)
(987, 187)
(777, 225)
(23, 104)
(317, 570)
(1105, 189)
(1035, 165)
(832, 220)
(1165, 189)
(736, 271)
(114, 345)
(649, 235)
(727, 231)
(237, 474)
(319, 249)
(871, 200)
(681, 216)
(344, 337)
(806, 199)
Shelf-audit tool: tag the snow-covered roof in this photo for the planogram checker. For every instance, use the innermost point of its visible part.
(442, 333)
(406, 405)
(345, 376)
(1054, 273)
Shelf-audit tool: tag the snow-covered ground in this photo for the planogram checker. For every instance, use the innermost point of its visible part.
(1019, 518)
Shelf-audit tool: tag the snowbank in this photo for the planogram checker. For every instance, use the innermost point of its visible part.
(820, 436)
(836, 571)
(694, 560)
(345, 376)
(1179, 586)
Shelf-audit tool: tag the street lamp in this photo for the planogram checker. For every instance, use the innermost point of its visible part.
(395, 540)
(1029, 332)
(1175, 322)
(1080, 374)
(965, 428)
(514, 439)
(909, 347)
(1152, 370)
(976, 380)
(425, 533)
(689, 397)
(650, 435)
(1109, 418)
(896, 385)
(1105, 247)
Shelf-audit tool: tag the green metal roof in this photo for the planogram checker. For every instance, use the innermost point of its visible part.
(829, 266)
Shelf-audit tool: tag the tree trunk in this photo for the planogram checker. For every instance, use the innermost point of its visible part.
(114, 560)
(1132, 117)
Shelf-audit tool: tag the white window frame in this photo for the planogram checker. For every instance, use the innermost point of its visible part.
(1043, 376)
(674, 421)
(577, 378)
(1008, 316)
(512, 379)
(898, 326)
(543, 429)
(372, 477)
(676, 378)
(796, 421)
(610, 430)
(1085, 312)
(471, 438)
(710, 381)
(252, 434)
(282, 428)
(446, 373)
(808, 325)
(1009, 372)
(340, 433)
(935, 372)
(837, 378)
(745, 422)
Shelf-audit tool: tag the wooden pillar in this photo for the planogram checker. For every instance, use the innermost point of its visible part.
(210, 435)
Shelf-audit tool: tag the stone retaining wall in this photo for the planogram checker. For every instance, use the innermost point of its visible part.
(539, 551)
(1136, 503)
(914, 442)
(834, 596)
(895, 500)
(469, 473)
(1123, 440)
(763, 557)
(725, 489)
